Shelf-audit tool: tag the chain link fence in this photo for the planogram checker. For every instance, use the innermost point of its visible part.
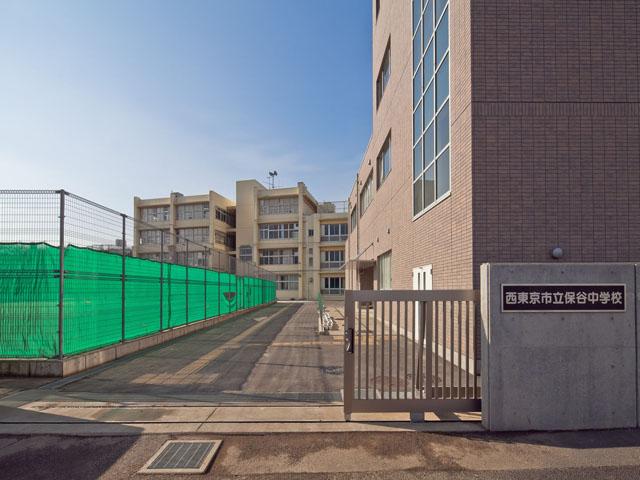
(71, 280)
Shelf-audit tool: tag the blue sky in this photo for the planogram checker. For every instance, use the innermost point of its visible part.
(111, 99)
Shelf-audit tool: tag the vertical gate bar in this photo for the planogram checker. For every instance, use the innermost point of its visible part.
(375, 347)
(413, 351)
(459, 323)
(406, 348)
(421, 348)
(348, 357)
(452, 317)
(219, 288)
(445, 304)
(475, 362)
(359, 350)
(390, 348)
(398, 350)
(437, 354)
(122, 306)
(467, 351)
(382, 307)
(161, 276)
(366, 362)
(61, 278)
(428, 385)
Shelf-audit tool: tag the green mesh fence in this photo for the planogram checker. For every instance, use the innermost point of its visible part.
(93, 289)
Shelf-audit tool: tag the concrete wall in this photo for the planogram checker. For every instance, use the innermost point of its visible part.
(558, 371)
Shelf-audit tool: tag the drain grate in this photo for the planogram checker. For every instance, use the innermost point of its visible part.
(183, 456)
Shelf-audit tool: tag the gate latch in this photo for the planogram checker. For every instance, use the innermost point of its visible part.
(348, 340)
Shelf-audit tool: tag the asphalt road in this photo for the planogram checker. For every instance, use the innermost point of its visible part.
(584, 455)
(270, 355)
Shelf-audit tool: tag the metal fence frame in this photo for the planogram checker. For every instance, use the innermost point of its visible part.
(413, 397)
(225, 263)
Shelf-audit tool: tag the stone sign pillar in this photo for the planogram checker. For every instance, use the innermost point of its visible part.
(559, 346)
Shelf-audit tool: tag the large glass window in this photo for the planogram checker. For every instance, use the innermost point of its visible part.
(287, 282)
(334, 232)
(384, 161)
(432, 123)
(226, 217)
(278, 256)
(246, 253)
(153, 237)
(278, 231)
(366, 195)
(193, 211)
(384, 271)
(332, 259)
(278, 206)
(383, 75)
(155, 214)
(332, 286)
(198, 235)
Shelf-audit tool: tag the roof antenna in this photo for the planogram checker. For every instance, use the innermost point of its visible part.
(272, 179)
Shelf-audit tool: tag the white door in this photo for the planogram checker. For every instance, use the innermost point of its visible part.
(422, 280)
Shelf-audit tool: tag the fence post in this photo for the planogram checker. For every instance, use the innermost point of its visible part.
(161, 276)
(219, 288)
(206, 267)
(61, 280)
(187, 279)
(124, 243)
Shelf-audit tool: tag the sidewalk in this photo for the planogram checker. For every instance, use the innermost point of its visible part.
(571, 456)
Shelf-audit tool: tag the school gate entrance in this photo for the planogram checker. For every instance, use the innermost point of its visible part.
(411, 351)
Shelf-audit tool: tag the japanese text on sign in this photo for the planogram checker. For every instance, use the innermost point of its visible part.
(565, 297)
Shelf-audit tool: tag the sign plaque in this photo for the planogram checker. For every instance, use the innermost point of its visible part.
(563, 297)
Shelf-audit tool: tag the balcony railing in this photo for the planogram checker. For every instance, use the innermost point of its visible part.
(332, 291)
(333, 238)
(331, 265)
(340, 206)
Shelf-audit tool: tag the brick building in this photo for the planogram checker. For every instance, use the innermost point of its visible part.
(502, 129)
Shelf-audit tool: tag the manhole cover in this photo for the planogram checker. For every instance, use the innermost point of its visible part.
(183, 456)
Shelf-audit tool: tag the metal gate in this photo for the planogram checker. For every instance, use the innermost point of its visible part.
(411, 351)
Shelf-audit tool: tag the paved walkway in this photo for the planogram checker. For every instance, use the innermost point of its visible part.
(271, 355)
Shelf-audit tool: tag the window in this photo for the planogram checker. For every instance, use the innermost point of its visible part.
(197, 235)
(155, 214)
(220, 237)
(152, 237)
(384, 74)
(278, 231)
(311, 257)
(384, 271)
(432, 124)
(366, 195)
(278, 256)
(287, 282)
(332, 286)
(246, 253)
(193, 211)
(332, 259)
(226, 217)
(310, 233)
(354, 218)
(194, 259)
(334, 232)
(278, 206)
(384, 161)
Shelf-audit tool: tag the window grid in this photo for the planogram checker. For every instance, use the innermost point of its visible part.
(246, 253)
(193, 211)
(334, 232)
(366, 195)
(279, 256)
(332, 259)
(431, 122)
(332, 286)
(384, 161)
(278, 231)
(287, 282)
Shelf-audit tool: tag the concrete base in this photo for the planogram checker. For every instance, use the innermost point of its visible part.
(43, 367)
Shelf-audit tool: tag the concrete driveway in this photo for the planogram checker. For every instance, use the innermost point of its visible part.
(270, 355)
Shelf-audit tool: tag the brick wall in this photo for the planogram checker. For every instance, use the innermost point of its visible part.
(556, 130)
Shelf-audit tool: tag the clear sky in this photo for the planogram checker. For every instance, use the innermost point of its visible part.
(111, 99)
